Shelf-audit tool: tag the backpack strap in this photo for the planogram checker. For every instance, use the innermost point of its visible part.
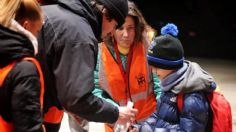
(180, 101)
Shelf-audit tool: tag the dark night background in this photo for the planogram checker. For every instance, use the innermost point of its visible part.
(207, 28)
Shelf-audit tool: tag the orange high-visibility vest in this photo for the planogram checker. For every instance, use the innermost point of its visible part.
(139, 89)
(8, 126)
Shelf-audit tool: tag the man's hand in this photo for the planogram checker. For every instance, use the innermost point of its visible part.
(126, 114)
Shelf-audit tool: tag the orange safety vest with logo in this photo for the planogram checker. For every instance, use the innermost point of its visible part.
(139, 90)
(8, 126)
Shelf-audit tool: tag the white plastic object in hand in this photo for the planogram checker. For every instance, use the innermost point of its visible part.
(130, 104)
(124, 127)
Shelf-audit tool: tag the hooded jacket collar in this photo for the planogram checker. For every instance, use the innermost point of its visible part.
(190, 78)
(84, 9)
(13, 46)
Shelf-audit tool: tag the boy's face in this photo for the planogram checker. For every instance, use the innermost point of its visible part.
(161, 73)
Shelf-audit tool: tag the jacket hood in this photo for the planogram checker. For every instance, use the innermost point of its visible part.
(190, 78)
(13, 46)
(83, 8)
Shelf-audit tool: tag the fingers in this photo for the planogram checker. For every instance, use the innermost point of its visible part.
(127, 114)
(131, 129)
(132, 120)
(133, 112)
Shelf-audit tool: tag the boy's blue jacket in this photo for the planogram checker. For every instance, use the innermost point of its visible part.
(194, 82)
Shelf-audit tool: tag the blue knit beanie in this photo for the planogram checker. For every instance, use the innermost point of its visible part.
(166, 51)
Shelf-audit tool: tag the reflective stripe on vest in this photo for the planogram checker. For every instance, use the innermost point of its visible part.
(112, 81)
(8, 126)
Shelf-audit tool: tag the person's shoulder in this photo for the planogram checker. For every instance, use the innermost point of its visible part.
(25, 68)
(195, 101)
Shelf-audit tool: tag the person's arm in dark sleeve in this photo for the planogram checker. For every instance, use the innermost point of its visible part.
(75, 82)
(25, 101)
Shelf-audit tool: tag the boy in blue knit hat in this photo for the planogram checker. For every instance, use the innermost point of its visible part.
(178, 76)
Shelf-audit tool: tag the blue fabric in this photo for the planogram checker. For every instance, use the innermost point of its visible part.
(171, 29)
(193, 118)
(165, 62)
(194, 83)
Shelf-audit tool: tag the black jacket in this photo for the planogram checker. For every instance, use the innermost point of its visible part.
(67, 51)
(20, 92)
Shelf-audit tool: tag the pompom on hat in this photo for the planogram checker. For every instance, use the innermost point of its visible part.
(166, 51)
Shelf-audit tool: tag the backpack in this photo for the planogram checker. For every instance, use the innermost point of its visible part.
(221, 116)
